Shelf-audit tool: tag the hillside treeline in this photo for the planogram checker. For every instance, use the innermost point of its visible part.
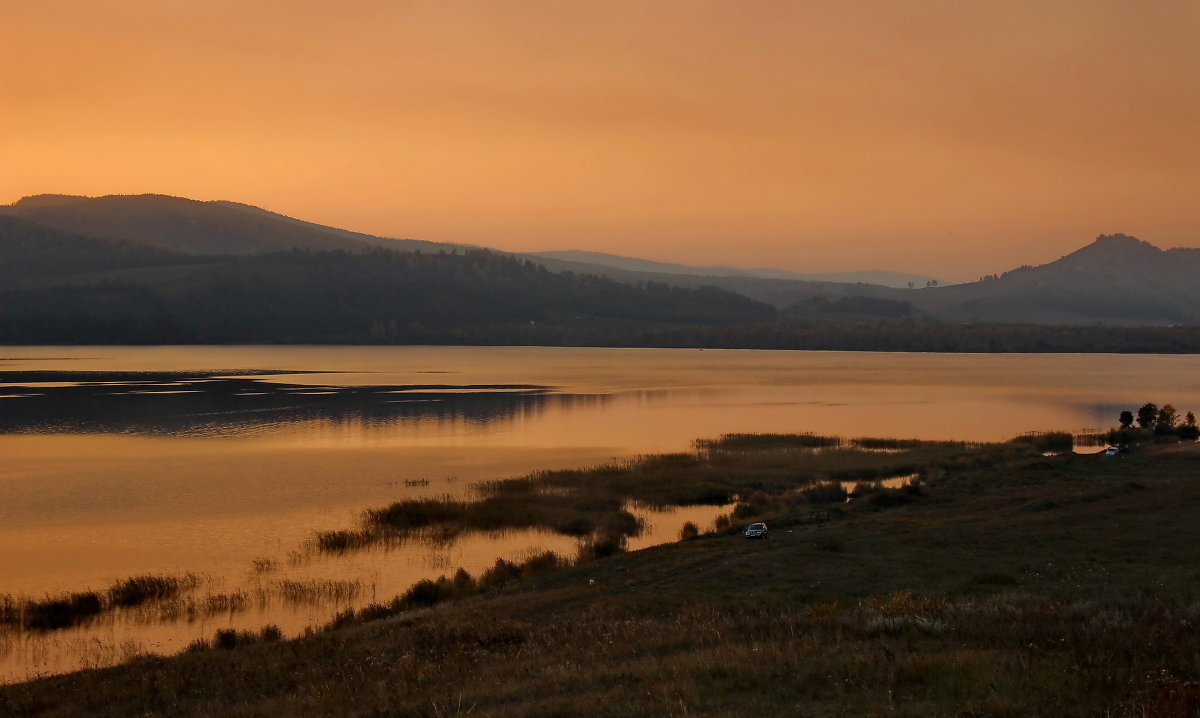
(481, 297)
(331, 297)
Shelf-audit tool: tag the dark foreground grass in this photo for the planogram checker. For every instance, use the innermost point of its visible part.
(960, 601)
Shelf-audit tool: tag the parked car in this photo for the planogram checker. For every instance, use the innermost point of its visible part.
(1112, 451)
(755, 530)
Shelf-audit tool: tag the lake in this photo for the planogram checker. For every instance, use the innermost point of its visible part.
(221, 462)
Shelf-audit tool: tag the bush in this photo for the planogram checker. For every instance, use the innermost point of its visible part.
(541, 563)
(500, 572)
(1048, 440)
(423, 593)
(825, 492)
(886, 498)
(601, 547)
(463, 584)
(689, 531)
(226, 639)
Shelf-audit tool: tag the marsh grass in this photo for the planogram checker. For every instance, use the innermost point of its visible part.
(886, 443)
(760, 442)
(227, 639)
(137, 590)
(263, 565)
(50, 613)
(1048, 440)
(72, 609)
(150, 599)
(761, 473)
(318, 591)
(431, 592)
(506, 506)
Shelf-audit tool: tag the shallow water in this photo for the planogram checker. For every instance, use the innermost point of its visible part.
(119, 461)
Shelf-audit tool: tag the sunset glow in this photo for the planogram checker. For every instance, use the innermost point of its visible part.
(935, 136)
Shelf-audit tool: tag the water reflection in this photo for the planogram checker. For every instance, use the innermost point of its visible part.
(173, 404)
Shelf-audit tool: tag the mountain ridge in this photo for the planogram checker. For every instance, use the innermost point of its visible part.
(156, 241)
(1115, 278)
(886, 278)
(219, 227)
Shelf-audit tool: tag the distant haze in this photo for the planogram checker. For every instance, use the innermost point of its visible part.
(933, 137)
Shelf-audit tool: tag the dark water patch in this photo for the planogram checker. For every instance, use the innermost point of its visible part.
(214, 403)
(124, 377)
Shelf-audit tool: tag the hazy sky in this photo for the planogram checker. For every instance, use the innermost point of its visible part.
(951, 137)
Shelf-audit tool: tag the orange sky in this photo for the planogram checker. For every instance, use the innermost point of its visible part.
(937, 136)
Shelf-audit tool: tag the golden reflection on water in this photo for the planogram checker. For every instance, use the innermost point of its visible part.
(212, 494)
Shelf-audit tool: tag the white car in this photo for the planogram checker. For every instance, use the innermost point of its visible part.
(1112, 451)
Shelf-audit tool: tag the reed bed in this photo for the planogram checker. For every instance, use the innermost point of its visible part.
(760, 442)
(318, 591)
(162, 599)
(71, 609)
(590, 504)
(137, 590)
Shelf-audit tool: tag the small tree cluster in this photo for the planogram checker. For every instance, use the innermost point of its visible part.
(1161, 421)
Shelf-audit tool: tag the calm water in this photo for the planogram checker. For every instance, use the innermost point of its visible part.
(220, 461)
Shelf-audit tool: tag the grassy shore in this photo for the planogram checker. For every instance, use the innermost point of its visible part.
(1006, 583)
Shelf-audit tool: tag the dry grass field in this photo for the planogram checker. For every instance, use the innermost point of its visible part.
(1008, 583)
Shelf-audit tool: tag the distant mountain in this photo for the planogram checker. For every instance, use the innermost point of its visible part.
(222, 228)
(780, 293)
(151, 268)
(193, 227)
(1117, 279)
(614, 261)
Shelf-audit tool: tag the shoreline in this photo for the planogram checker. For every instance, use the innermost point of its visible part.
(908, 571)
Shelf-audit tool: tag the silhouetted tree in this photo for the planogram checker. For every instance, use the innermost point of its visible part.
(1165, 422)
(1189, 430)
(1147, 415)
(1126, 419)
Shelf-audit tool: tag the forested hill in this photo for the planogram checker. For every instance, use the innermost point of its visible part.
(302, 296)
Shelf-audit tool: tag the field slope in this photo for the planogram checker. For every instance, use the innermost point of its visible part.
(1010, 583)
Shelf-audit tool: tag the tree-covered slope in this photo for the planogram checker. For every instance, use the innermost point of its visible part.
(34, 253)
(303, 296)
